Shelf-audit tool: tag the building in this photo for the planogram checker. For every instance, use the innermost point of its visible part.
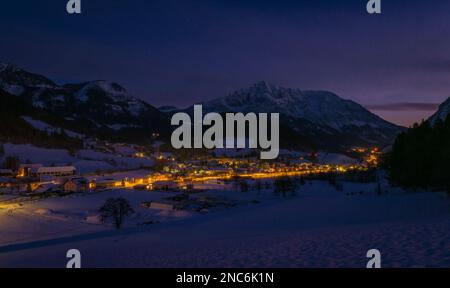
(77, 185)
(45, 188)
(6, 173)
(61, 171)
(105, 184)
(166, 205)
(164, 185)
(26, 170)
(7, 182)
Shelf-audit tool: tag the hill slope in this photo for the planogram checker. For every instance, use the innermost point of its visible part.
(100, 108)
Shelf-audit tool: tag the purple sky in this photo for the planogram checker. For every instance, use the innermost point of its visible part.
(179, 52)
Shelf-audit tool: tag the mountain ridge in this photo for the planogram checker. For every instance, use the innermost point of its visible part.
(101, 108)
(442, 112)
(309, 119)
(319, 118)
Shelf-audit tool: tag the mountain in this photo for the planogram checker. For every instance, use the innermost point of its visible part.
(167, 108)
(15, 81)
(442, 113)
(101, 108)
(106, 110)
(310, 119)
(14, 127)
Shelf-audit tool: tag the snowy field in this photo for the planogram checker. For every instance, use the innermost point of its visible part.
(316, 227)
(86, 161)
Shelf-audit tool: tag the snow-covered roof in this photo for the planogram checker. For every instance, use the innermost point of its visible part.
(56, 169)
(79, 180)
(7, 180)
(30, 165)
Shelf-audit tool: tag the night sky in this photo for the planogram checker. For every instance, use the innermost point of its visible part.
(180, 52)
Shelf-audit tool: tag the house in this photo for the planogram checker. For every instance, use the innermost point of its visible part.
(6, 173)
(105, 183)
(165, 205)
(164, 185)
(7, 182)
(45, 188)
(60, 171)
(77, 185)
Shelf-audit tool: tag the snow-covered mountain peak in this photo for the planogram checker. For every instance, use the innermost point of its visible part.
(111, 87)
(442, 113)
(263, 86)
(115, 97)
(310, 116)
(3, 66)
(167, 108)
(110, 97)
(320, 107)
(8, 67)
(14, 79)
(104, 88)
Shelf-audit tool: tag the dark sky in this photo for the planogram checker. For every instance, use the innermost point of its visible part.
(180, 52)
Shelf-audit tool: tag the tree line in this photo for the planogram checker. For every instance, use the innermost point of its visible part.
(14, 129)
(420, 157)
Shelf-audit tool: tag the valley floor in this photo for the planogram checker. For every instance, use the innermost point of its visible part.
(318, 227)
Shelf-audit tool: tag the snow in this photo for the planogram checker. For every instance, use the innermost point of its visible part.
(319, 227)
(167, 109)
(90, 166)
(59, 98)
(336, 159)
(125, 149)
(116, 91)
(3, 67)
(118, 127)
(115, 108)
(442, 113)
(37, 155)
(40, 125)
(118, 160)
(86, 161)
(70, 215)
(319, 107)
(135, 107)
(121, 98)
(116, 94)
(292, 153)
(12, 89)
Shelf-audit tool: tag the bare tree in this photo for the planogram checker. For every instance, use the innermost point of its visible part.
(117, 209)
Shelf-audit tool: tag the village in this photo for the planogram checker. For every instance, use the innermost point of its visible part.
(172, 173)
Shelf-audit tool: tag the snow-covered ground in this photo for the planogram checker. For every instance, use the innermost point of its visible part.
(86, 161)
(40, 125)
(316, 227)
(333, 158)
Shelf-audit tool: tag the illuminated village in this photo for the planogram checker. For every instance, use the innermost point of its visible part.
(172, 174)
(175, 174)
